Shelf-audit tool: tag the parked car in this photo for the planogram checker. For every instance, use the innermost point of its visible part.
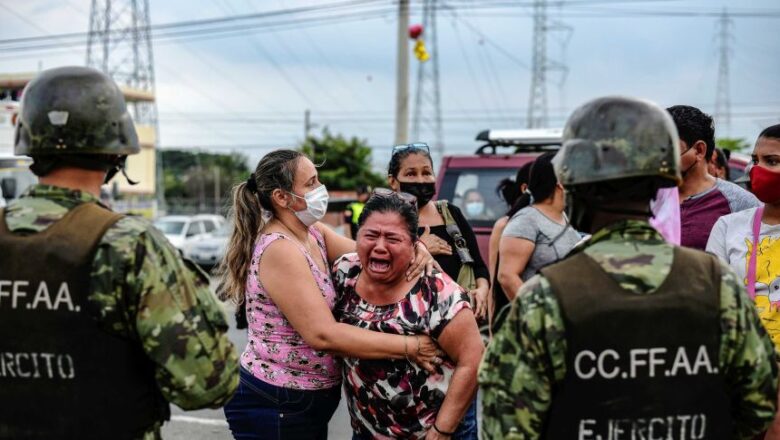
(184, 230)
(738, 163)
(208, 251)
(503, 152)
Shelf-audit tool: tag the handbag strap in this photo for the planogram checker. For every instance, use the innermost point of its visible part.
(752, 263)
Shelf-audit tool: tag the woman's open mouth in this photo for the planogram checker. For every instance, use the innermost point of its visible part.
(379, 265)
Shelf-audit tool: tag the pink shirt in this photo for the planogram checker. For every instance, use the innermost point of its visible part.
(275, 352)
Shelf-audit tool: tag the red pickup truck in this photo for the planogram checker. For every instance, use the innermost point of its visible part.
(502, 153)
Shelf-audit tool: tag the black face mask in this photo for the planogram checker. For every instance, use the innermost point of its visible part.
(424, 191)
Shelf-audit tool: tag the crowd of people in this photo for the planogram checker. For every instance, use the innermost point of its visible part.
(600, 323)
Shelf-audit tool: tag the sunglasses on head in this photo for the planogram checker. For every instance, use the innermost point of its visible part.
(405, 197)
(421, 146)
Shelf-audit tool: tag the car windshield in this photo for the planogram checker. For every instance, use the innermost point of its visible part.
(224, 230)
(476, 187)
(172, 227)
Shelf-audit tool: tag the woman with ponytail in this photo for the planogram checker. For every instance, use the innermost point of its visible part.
(538, 233)
(278, 265)
(510, 190)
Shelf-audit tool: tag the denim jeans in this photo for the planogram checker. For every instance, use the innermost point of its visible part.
(467, 429)
(260, 410)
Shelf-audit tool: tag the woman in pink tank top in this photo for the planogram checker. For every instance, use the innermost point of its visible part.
(278, 264)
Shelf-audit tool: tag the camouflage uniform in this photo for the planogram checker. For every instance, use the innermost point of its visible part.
(145, 292)
(526, 359)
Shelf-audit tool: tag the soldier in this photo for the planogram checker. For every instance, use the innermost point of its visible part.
(103, 324)
(629, 336)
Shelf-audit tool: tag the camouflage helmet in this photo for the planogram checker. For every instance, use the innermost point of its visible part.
(615, 138)
(71, 111)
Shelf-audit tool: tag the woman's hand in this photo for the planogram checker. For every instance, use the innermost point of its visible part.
(435, 245)
(480, 301)
(424, 352)
(423, 261)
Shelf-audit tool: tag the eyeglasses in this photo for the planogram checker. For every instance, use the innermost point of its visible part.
(421, 146)
(404, 197)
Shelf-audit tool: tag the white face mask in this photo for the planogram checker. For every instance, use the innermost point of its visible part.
(474, 209)
(316, 206)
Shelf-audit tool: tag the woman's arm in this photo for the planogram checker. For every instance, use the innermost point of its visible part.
(515, 254)
(461, 341)
(286, 275)
(336, 245)
(495, 238)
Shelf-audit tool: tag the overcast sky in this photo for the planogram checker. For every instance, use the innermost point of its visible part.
(248, 92)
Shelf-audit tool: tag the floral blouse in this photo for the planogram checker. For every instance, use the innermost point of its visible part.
(393, 398)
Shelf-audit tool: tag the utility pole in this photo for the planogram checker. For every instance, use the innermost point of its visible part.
(120, 44)
(723, 94)
(217, 190)
(306, 124)
(402, 76)
(427, 99)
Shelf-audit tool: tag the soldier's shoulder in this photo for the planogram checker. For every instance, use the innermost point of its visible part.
(129, 230)
(33, 213)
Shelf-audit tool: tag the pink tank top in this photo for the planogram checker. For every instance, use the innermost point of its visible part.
(275, 352)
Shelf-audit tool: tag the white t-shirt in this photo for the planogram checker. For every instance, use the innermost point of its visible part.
(732, 240)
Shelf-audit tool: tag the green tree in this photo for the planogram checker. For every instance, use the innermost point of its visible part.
(732, 144)
(194, 174)
(345, 163)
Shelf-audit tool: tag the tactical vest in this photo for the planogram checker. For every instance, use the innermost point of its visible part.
(61, 375)
(640, 365)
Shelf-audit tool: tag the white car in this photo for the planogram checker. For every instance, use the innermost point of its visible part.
(209, 251)
(183, 230)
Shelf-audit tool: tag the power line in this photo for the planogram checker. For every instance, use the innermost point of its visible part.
(198, 23)
(174, 32)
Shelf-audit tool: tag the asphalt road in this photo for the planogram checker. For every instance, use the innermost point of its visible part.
(210, 424)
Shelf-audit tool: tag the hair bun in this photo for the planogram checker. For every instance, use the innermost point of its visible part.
(251, 184)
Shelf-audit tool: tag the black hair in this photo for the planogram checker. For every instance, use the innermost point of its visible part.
(394, 167)
(392, 203)
(722, 162)
(275, 170)
(694, 125)
(541, 182)
(362, 189)
(509, 189)
(771, 132)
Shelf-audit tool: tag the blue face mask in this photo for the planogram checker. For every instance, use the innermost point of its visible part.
(474, 209)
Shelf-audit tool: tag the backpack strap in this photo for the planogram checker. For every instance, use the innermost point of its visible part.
(453, 230)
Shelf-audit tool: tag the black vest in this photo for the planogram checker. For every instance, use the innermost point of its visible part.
(61, 375)
(640, 365)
